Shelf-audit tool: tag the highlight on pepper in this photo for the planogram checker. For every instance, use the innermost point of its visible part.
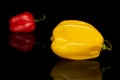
(77, 40)
(24, 22)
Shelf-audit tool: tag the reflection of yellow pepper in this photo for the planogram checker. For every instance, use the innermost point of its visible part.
(77, 40)
(77, 70)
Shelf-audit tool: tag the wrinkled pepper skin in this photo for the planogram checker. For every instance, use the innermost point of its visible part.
(22, 42)
(23, 22)
(76, 40)
(77, 70)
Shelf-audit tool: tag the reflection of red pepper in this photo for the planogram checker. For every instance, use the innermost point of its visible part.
(22, 42)
(23, 22)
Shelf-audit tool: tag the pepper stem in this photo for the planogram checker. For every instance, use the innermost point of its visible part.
(41, 19)
(105, 47)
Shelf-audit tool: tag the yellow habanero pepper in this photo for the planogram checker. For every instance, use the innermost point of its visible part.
(77, 40)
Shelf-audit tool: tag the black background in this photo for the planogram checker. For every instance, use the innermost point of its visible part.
(39, 62)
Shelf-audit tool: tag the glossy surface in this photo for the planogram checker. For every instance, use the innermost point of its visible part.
(22, 22)
(72, 39)
(38, 63)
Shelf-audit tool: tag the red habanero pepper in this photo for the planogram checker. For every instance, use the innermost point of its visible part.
(23, 22)
(22, 42)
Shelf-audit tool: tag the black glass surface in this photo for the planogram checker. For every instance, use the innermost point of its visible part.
(39, 62)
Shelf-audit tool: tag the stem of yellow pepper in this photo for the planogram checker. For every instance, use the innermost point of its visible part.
(41, 19)
(105, 47)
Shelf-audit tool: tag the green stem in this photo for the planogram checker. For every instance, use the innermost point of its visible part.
(41, 19)
(105, 47)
